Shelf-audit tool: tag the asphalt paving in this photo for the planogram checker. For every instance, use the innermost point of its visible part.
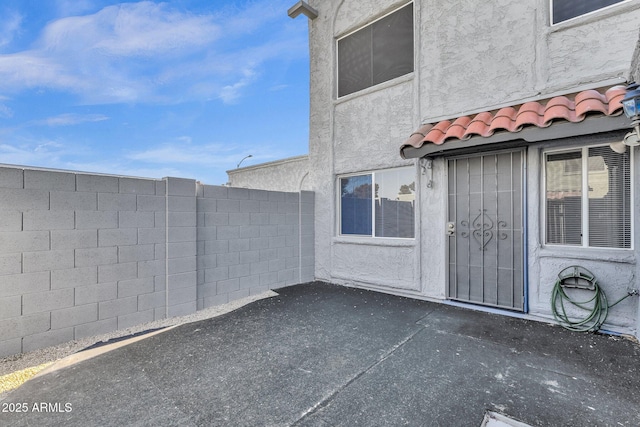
(326, 355)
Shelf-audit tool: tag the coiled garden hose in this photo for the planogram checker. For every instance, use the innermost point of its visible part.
(595, 308)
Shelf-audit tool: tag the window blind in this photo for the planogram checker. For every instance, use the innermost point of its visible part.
(564, 198)
(609, 180)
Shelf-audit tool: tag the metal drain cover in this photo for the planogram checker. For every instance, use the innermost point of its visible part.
(493, 419)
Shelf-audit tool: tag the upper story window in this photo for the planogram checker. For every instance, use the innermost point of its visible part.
(588, 197)
(563, 10)
(379, 52)
(378, 204)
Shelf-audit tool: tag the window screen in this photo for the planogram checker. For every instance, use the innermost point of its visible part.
(563, 10)
(588, 193)
(395, 196)
(354, 57)
(392, 46)
(377, 53)
(355, 205)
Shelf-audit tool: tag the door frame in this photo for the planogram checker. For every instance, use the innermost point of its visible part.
(524, 219)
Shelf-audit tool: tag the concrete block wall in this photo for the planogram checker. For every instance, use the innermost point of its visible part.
(249, 241)
(82, 254)
(307, 236)
(181, 247)
(76, 256)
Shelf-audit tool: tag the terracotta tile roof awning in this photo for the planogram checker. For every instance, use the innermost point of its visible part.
(512, 120)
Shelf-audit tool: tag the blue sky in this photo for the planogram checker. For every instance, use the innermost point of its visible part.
(181, 88)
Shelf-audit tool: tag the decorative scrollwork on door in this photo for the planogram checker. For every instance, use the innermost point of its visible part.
(483, 229)
(464, 224)
(503, 235)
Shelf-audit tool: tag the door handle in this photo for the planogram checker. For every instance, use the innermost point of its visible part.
(451, 228)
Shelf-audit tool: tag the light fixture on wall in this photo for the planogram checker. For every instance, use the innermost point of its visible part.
(302, 8)
(631, 107)
(243, 159)
(426, 164)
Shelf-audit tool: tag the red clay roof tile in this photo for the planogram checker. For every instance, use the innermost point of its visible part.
(530, 113)
(614, 99)
(513, 119)
(457, 128)
(438, 133)
(505, 119)
(416, 138)
(559, 107)
(479, 125)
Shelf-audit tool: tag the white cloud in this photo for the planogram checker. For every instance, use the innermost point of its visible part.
(130, 30)
(278, 88)
(212, 155)
(73, 7)
(179, 158)
(20, 71)
(230, 93)
(45, 146)
(152, 53)
(33, 153)
(56, 155)
(71, 119)
(5, 112)
(10, 25)
(253, 17)
(124, 169)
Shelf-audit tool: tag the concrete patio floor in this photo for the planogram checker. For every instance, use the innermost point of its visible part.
(325, 355)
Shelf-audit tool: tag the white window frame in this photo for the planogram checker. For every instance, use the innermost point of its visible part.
(593, 12)
(584, 149)
(373, 202)
(337, 71)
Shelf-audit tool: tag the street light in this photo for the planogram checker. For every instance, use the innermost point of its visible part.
(245, 158)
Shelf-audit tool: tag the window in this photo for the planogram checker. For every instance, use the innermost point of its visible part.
(376, 53)
(588, 198)
(563, 10)
(379, 204)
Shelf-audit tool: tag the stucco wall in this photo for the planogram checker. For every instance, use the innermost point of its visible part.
(368, 129)
(634, 71)
(350, 15)
(361, 145)
(282, 175)
(433, 239)
(357, 133)
(591, 49)
(477, 56)
(474, 54)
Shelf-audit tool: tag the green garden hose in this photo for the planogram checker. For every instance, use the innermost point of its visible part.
(595, 308)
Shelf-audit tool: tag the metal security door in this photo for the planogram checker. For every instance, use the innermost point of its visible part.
(485, 230)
